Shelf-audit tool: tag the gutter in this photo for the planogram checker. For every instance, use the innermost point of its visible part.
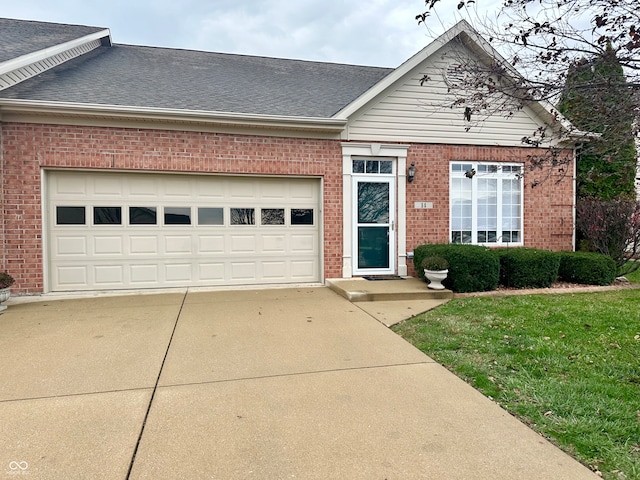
(120, 112)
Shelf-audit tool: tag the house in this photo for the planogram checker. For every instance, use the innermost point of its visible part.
(139, 167)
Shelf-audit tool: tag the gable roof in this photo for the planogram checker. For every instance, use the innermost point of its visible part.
(165, 78)
(21, 37)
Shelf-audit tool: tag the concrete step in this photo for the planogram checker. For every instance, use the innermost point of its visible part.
(407, 288)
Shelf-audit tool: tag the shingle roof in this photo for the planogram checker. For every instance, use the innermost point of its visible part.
(20, 37)
(128, 75)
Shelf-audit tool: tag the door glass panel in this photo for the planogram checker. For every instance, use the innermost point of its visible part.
(373, 202)
(272, 216)
(373, 247)
(301, 216)
(142, 215)
(107, 215)
(70, 216)
(210, 216)
(243, 216)
(177, 216)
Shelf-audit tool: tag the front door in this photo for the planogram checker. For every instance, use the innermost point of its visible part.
(374, 222)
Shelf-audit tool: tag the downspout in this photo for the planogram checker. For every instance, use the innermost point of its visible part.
(3, 264)
(575, 196)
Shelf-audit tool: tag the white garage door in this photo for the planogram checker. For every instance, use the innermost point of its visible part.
(127, 230)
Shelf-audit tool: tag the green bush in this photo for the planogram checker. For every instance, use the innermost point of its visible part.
(472, 268)
(528, 267)
(588, 268)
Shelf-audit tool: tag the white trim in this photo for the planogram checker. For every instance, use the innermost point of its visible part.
(34, 57)
(373, 150)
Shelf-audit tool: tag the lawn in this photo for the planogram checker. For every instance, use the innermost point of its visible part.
(567, 365)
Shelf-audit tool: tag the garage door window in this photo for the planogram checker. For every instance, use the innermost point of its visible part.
(301, 216)
(177, 216)
(272, 216)
(70, 216)
(107, 215)
(210, 216)
(243, 216)
(142, 216)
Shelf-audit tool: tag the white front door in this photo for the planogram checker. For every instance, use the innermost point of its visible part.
(374, 225)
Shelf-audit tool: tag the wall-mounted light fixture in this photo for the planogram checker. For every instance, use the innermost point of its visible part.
(470, 173)
(411, 172)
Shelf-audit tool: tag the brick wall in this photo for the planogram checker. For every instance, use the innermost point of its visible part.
(548, 207)
(27, 148)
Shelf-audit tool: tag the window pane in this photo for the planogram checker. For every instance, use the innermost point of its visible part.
(386, 166)
(272, 216)
(177, 215)
(210, 216)
(358, 166)
(142, 215)
(243, 216)
(107, 215)
(70, 216)
(372, 166)
(301, 216)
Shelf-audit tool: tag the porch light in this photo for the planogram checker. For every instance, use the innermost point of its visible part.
(411, 173)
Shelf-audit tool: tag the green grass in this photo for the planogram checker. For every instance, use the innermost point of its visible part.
(567, 365)
(634, 277)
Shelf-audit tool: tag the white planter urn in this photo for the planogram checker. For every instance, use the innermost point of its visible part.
(435, 278)
(5, 293)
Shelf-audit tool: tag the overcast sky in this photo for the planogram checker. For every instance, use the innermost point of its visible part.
(362, 32)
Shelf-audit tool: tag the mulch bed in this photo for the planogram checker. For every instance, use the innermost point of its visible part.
(558, 287)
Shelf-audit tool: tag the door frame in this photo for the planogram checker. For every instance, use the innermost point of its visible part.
(396, 153)
(379, 178)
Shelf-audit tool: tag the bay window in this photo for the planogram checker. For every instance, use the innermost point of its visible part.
(486, 203)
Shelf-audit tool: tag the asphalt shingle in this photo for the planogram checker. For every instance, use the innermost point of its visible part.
(140, 76)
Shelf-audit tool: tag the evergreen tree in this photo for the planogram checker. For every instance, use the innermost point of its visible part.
(596, 98)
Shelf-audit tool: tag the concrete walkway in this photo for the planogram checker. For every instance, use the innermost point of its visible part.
(261, 384)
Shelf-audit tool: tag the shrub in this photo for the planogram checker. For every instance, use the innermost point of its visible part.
(528, 267)
(435, 263)
(612, 227)
(472, 268)
(6, 280)
(588, 268)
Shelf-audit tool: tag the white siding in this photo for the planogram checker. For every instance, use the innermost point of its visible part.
(410, 112)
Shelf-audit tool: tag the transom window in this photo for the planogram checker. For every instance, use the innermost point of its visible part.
(376, 167)
(486, 203)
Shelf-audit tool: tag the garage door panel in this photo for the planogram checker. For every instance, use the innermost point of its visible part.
(211, 272)
(72, 276)
(142, 273)
(211, 244)
(111, 245)
(106, 275)
(274, 244)
(143, 245)
(175, 244)
(215, 248)
(243, 270)
(71, 245)
(242, 244)
(180, 272)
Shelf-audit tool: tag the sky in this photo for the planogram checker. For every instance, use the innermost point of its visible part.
(360, 32)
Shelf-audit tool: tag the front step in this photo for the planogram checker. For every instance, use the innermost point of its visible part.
(408, 288)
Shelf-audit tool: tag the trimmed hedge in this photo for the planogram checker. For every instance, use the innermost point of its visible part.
(588, 268)
(472, 268)
(523, 267)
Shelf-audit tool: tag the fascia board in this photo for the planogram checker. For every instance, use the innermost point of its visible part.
(170, 115)
(403, 70)
(34, 57)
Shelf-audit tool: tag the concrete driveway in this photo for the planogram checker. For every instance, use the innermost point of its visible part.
(265, 384)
